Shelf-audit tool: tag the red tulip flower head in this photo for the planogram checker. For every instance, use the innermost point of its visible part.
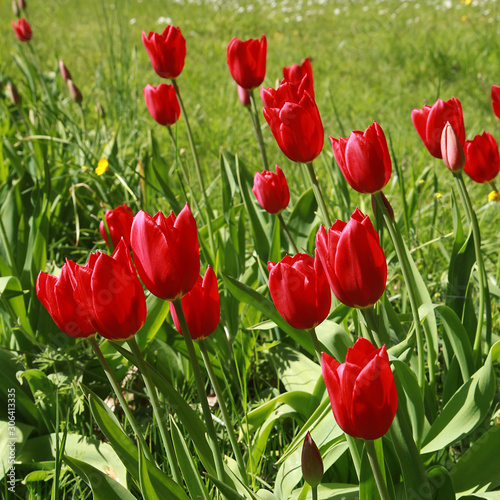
(299, 290)
(166, 252)
(22, 30)
(364, 159)
(495, 99)
(482, 160)
(56, 295)
(294, 120)
(353, 260)
(119, 222)
(109, 288)
(362, 390)
(271, 190)
(296, 73)
(167, 51)
(201, 307)
(162, 103)
(429, 122)
(247, 61)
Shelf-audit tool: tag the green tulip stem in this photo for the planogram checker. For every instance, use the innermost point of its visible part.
(289, 236)
(223, 408)
(319, 195)
(316, 344)
(493, 186)
(314, 490)
(258, 131)
(353, 449)
(412, 294)
(195, 366)
(158, 412)
(118, 392)
(377, 471)
(483, 282)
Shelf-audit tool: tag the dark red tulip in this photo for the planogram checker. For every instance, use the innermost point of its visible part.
(429, 122)
(167, 51)
(166, 252)
(13, 94)
(451, 150)
(296, 73)
(300, 290)
(22, 30)
(353, 260)
(108, 287)
(56, 295)
(482, 160)
(271, 190)
(294, 120)
(64, 70)
(247, 61)
(364, 159)
(311, 461)
(162, 103)
(495, 99)
(74, 91)
(201, 307)
(119, 222)
(362, 390)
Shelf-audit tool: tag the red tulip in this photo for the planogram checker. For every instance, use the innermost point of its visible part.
(430, 121)
(166, 252)
(299, 290)
(162, 103)
(108, 287)
(296, 73)
(271, 190)
(64, 70)
(482, 160)
(247, 61)
(495, 99)
(362, 390)
(353, 260)
(119, 222)
(451, 150)
(201, 307)
(364, 159)
(295, 122)
(56, 295)
(167, 51)
(22, 30)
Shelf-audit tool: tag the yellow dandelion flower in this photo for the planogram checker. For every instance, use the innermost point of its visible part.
(421, 181)
(102, 166)
(494, 196)
(438, 196)
(464, 18)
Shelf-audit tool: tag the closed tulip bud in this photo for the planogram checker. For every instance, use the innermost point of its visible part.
(162, 103)
(312, 463)
(482, 160)
(119, 222)
(362, 390)
(201, 307)
(353, 260)
(166, 252)
(495, 99)
(22, 4)
(387, 204)
(364, 159)
(64, 70)
(244, 96)
(299, 290)
(429, 122)
(271, 190)
(108, 287)
(13, 94)
(294, 120)
(100, 110)
(74, 92)
(15, 8)
(247, 61)
(451, 150)
(22, 30)
(296, 72)
(167, 51)
(56, 295)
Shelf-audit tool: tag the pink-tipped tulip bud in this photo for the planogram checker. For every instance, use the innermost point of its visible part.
(64, 70)
(13, 94)
(15, 8)
(451, 149)
(312, 464)
(22, 30)
(74, 92)
(22, 4)
(244, 96)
